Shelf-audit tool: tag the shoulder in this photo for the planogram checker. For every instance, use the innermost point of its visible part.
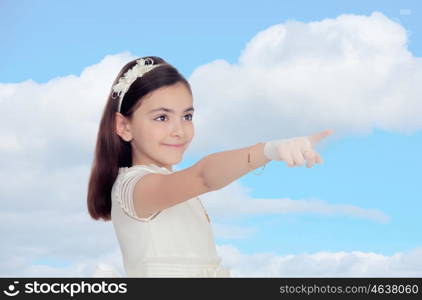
(127, 172)
(128, 176)
(123, 188)
(130, 171)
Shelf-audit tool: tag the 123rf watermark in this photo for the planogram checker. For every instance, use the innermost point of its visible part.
(71, 289)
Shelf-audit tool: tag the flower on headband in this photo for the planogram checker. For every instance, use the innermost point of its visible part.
(130, 76)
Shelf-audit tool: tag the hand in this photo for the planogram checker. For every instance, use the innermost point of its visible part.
(296, 150)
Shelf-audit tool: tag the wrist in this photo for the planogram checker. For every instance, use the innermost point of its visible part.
(271, 150)
(256, 157)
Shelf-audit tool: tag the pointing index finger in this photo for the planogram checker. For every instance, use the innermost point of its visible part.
(315, 138)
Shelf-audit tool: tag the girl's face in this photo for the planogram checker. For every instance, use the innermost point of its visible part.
(164, 118)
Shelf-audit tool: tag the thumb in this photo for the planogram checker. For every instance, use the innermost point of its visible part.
(315, 138)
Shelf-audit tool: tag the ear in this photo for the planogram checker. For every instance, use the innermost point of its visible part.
(122, 127)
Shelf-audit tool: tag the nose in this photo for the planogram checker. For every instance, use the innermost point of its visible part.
(177, 129)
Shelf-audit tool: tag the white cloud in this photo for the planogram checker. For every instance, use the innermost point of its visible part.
(234, 200)
(51, 242)
(266, 264)
(55, 123)
(322, 264)
(352, 73)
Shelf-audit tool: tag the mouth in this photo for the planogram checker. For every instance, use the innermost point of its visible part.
(175, 145)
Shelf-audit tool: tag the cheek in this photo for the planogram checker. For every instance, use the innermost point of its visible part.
(148, 134)
(189, 131)
(156, 136)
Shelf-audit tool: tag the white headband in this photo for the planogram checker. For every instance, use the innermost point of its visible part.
(141, 67)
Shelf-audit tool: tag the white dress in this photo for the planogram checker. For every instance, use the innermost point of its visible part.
(175, 242)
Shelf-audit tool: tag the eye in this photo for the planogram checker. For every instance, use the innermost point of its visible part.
(165, 116)
(162, 116)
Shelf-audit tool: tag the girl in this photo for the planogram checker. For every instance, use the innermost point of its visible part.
(161, 225)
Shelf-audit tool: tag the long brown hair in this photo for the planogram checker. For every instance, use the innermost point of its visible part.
(111, 151)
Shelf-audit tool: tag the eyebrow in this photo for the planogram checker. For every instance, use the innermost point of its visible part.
(169, 110)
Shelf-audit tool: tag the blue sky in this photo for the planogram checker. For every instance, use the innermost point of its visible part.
(46, 39)
(370, 166)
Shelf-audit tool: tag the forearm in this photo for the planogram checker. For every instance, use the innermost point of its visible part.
(221, 168)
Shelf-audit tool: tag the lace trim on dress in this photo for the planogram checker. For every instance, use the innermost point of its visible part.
(123, 193)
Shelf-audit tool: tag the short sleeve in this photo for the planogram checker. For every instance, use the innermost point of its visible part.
(124, 193)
